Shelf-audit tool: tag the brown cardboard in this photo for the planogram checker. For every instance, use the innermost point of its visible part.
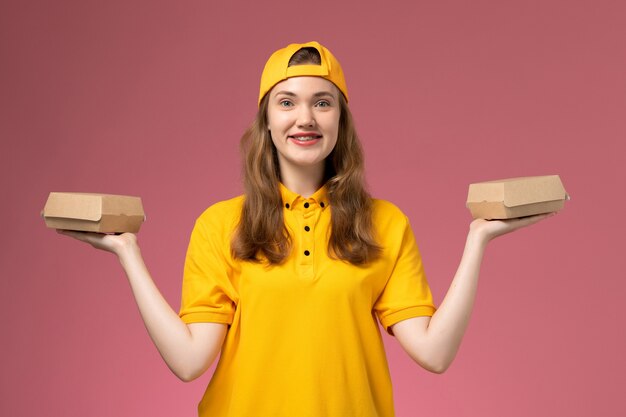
(516, 197)
(103, 213)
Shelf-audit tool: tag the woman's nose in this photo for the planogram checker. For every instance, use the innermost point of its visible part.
(305, 116)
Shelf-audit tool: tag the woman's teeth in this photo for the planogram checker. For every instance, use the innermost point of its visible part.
(306, 138)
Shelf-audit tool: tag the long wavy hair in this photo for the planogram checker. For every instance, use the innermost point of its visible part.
(262, 232)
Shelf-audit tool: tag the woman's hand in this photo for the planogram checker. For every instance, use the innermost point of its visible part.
(490, 229)
(111, 243)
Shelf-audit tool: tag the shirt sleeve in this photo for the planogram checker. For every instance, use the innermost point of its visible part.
(207, 294)
(406, 293)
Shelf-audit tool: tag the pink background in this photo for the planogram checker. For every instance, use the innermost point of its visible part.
(150, 98)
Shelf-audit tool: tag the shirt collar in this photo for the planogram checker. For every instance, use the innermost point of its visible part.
(290, 198)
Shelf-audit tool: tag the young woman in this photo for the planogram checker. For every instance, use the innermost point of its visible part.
(288, 281)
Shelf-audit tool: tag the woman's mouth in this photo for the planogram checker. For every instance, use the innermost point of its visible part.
(305, 139)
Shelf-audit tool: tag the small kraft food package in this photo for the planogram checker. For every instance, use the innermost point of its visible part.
(516, 197)
(92, 212)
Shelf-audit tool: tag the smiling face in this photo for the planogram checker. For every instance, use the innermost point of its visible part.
(303, 118)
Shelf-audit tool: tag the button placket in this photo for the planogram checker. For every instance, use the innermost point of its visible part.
(308, 241)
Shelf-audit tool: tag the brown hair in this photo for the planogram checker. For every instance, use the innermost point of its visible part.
(262, 230)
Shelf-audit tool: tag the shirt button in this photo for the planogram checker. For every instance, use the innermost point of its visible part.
(307, 228)
(306, 205)
(287, 205)
(307, 253)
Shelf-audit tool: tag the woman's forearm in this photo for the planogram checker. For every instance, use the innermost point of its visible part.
(434, 341)
(447, 326)
(187, 356)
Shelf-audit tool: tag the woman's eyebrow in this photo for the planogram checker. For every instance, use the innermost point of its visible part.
(286, 93)
(323, 93)
(318, 94)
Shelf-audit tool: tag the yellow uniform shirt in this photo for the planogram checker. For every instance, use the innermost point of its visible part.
(303, 339)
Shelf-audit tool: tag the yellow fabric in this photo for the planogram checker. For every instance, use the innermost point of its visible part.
(277, 68)
(303, 337)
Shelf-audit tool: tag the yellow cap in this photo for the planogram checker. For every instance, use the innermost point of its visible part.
(277, 68)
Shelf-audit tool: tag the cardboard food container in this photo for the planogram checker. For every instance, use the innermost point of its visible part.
(102, 213)
(516, 197)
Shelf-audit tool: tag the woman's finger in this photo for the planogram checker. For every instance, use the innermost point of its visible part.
(527, 221)
(495, 228)
(97, 240)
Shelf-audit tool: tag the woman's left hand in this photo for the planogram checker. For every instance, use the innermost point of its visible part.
(490, 229)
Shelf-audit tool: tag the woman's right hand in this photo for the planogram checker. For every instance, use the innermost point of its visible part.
(116, 244)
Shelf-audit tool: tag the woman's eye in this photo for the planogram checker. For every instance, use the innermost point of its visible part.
(285, 103)
(323, 103)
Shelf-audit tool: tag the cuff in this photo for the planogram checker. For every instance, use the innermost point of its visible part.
(406, 313)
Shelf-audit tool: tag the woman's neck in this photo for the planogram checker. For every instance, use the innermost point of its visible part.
(302, 180)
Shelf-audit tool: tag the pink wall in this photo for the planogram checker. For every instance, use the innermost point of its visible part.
(149, 98)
